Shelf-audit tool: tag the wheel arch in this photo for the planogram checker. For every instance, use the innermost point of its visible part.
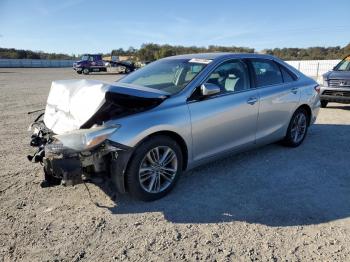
(177, 138)
(171, 134)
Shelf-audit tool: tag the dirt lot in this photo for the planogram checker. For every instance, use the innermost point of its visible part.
(274, 203)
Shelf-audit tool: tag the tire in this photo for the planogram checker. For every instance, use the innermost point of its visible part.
(127, 70)
(86, 71)
(299, 123)
(79, 72)
(324, 103)
(139, 183)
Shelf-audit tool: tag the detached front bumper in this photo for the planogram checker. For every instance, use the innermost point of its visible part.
(335, 94)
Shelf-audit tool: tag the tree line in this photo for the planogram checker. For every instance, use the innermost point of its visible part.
(311, 53)
(12, 53)
(151, 52)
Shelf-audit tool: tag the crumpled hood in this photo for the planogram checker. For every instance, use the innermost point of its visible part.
(73, 104)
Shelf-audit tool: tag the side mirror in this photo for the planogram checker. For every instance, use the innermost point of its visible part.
(209, 89)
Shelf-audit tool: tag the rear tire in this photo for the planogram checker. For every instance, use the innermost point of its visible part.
(324, 103)
(297, 128)
(79, 72)
(149, 180)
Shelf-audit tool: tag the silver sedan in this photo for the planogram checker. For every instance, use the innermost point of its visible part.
(172, 115)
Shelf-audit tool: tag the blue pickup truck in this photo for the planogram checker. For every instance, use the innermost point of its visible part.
(94, 63)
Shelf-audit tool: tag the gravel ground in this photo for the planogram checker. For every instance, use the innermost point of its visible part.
(273, 203)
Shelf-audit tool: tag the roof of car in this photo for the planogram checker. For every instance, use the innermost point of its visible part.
(219, 55)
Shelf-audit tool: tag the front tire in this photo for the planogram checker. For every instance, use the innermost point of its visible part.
(154, 168)
(324, 103)
(297, 128)
(86, 71)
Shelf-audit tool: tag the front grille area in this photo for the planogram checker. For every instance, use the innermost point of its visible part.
(339, 83)
(336, 93)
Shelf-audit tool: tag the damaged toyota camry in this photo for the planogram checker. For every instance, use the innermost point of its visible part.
(144, 130)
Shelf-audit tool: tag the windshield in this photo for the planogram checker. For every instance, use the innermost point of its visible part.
(344, 65)
(170, 75)
(85, 58)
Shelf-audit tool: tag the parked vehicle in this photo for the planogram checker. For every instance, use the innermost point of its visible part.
(336, 84)
(90, 63)
(125, 66)
(170, 116)
(95, 63)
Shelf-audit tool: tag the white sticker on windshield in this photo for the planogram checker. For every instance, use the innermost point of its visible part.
(200, 61)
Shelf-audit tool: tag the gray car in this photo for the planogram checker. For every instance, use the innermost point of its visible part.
(336, 84)
(172, 115)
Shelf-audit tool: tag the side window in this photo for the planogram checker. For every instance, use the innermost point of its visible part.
(267, 72)
(231, 76)
(287, 76)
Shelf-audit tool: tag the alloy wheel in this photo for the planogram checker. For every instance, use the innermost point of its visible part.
(298, 130)
(158, 169)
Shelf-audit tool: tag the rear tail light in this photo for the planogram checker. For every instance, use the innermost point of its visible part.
(317, 89)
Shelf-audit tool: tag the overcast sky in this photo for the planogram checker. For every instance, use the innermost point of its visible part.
(78, 26)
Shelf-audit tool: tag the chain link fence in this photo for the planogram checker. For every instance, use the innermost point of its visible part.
(314, 68)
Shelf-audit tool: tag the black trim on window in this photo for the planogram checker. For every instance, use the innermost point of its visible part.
(252, 76)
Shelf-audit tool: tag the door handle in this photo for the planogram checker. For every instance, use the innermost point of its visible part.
(294, 90)
(252, 100)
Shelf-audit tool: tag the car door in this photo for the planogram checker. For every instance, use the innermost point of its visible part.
(225, 121)
(279, 96)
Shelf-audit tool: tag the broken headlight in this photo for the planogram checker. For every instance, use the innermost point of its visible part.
(84, 139)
